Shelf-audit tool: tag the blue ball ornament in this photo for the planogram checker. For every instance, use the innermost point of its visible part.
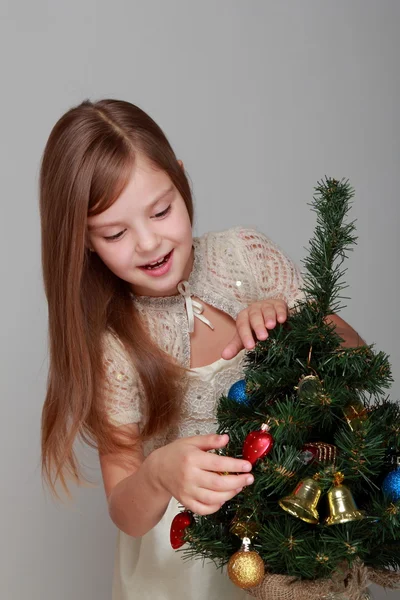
(391, 485)
(238, 392)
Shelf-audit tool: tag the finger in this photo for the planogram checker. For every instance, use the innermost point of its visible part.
(201, 509)
(224, 464)
(269, 315)
(257, 323)
(225, 483)
(212, 441)
(210, 498)
(234, 346)
(281, 311)
(244, 330)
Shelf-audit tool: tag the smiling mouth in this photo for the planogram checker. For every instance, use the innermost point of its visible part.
(156, 265)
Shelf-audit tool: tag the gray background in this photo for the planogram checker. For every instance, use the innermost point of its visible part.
(260, 99)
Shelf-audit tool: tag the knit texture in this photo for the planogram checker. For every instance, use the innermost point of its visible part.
(231, 269)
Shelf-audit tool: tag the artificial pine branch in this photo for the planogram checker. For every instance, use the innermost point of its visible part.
(310, 389)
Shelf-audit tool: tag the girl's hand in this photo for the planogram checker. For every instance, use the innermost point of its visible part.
(255, 319)
(190, 474)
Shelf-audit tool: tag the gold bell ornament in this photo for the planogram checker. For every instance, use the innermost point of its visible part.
(302, 502)
(246, 567)
(342, 507)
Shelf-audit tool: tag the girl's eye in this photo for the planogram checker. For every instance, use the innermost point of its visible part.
(117, 236)
(162, 214)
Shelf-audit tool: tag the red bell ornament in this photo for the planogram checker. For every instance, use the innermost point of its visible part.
(257, 444)
(179, 523)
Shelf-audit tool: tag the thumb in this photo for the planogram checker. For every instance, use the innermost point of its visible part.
(210, 442)
(234, 346)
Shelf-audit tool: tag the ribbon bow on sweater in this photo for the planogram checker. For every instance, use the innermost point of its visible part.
(193, 308)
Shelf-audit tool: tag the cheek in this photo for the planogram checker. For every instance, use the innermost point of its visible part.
(116, 259)
(182, 226)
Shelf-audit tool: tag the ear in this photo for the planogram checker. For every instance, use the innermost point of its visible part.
(180, 163)
(88, 246)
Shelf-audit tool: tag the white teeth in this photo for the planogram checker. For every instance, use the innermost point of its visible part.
(156, 263)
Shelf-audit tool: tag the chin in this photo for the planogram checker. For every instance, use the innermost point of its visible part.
(167, 288)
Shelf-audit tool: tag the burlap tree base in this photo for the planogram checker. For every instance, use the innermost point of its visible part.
(346, 584)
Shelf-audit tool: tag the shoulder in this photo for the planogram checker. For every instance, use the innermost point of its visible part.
(232, 234)
(247, 257)
(227, 259)
(238, 239)
(116, 359)
(121, 387)
(111, 344)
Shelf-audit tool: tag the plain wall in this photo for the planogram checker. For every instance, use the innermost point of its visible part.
(260, 99)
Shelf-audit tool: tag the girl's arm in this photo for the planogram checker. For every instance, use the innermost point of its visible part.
(350, 336)
(135, 502)
(139, 489)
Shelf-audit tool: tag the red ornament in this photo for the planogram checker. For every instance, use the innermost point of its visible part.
(257, 444)
(320, 452)
(178, 526)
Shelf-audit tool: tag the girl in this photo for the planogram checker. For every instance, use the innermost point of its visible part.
(148, 327)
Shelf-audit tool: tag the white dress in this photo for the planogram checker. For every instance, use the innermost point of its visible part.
(232, 269)
(148, 568)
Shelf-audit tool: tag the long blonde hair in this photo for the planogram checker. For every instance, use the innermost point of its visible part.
(86, 164)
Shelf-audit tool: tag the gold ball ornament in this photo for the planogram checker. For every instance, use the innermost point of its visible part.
(310, 389)
(246, 567)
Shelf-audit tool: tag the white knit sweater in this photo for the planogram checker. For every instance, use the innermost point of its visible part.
(231, 269)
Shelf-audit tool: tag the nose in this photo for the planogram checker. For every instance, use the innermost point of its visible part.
(147, 240)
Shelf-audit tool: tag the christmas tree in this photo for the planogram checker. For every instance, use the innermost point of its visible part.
(323, 515)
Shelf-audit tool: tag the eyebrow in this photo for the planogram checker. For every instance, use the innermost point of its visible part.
(117, 223)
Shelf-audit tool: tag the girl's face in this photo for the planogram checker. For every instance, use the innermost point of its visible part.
(148, 223)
